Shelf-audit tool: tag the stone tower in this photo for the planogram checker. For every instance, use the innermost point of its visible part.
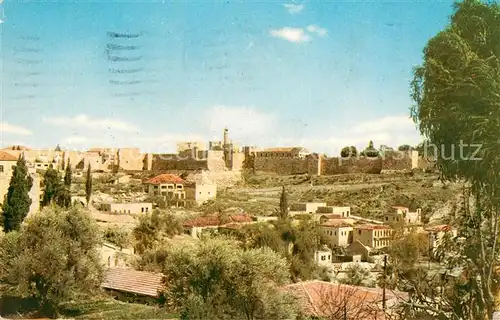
(227, 149)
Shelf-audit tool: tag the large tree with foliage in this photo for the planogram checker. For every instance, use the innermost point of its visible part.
(88, 185)
(457, 107)
(347, 152)
(153, 229)
(219, 280)
(17, 202)
(53, 258)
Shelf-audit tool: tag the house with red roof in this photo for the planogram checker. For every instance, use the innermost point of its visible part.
(195, 227)
(168, 186)
(328, 300)
(373, 235)
(339, 232)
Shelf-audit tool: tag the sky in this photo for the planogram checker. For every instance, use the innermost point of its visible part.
(147, 74)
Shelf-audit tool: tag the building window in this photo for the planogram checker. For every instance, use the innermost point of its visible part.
(147, 209)
(359, 231)
(142, 209)
(386, 218)
(1, 169)
(323, 258)
(209, 192)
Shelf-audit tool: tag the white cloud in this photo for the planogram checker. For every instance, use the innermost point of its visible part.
(85, 121)
(75, 140)
(384, 124)
(10, 128)
(290, 34)
(293, 8)
(313, 28)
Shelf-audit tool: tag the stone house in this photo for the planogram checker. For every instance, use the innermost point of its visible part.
(130, 208)
(403, 214)
(201, 190)
(356, 248)
(345, 212)
(338, 232)
(373, 236)
(306, 207)
(168, 186)
(323, 257)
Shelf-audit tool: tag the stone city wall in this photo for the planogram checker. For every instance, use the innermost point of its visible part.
(335, 165)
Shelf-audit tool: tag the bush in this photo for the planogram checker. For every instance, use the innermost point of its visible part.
(54, 258)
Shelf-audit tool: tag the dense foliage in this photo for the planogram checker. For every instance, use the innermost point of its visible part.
(54, 258)
(219, 280)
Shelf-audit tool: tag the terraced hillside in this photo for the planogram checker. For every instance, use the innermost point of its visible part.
(368, 195)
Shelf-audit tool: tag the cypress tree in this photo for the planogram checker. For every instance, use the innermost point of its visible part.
(52, 186)
(68, 175)
(17, 202)
(283, 204)
(64, 195)
(88, 185)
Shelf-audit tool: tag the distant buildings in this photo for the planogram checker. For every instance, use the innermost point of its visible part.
(127, 208)
(403, 215)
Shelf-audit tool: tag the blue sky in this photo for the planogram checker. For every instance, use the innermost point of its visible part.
(322, 74)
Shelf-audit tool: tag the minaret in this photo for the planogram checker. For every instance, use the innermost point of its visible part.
(226, 141)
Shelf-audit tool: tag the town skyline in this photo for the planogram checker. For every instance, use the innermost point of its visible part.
(218, 66)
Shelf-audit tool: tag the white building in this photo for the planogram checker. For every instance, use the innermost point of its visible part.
(345, 212)
(323, 257)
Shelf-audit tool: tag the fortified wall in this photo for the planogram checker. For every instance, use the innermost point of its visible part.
(322, 165)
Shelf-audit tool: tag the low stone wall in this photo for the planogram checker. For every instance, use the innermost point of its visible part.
(396, 161)
(281, 165)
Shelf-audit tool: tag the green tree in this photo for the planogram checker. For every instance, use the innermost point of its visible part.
(357, 276)
(283, 213)
(64, 197)
(404, 147)
(51, 186)
(370, 150)
(350, 151)
(153, 229)
(117, 236)
(457, 94)
(219, 280)
(17, 201)
(54, 258)
(88, 185)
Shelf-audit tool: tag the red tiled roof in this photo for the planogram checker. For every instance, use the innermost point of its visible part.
(4, 156)
(319, 298)
(213, 220)
(340, 223)
(165, 178)
(372, 227)
(133, 281)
